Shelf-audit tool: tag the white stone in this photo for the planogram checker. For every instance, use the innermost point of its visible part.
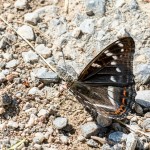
(20, 4)
(131, 142)
(64, 139)
(60, 122)
(2, 126)
(32, 120)
(7, 56)
(89, 128)
(13, 124)
(33, 91)
(39, 137)
(26, 31)
(31, 18)
(2, 77)
(2, 110)
(11, 64)
(87, 26)
(143, 98)
(30, 57)
(43, 50)
(119, 3)
(43, 112)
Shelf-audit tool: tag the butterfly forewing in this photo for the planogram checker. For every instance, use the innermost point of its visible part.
(106, 85)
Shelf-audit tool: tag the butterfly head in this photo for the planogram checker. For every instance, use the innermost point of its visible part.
(67, 73)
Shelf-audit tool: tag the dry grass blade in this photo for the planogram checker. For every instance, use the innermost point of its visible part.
(100, 140)
(51, 67)
(136, 131)
(66, 5)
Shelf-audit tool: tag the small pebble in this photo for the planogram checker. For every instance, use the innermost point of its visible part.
(60, 122)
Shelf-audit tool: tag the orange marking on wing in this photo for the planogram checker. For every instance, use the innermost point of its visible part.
(124, 92)
(120, 110)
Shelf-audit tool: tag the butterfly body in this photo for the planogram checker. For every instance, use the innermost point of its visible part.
(106, 84)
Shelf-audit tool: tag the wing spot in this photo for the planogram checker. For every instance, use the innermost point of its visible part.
(96, 65)
(118, 70)
(122, 50)
(112, 79)
(120, 44)
(109, 54)
(113, 63)
(107, 51)
(115, 57)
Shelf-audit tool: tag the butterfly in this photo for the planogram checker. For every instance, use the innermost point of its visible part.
(106, 85)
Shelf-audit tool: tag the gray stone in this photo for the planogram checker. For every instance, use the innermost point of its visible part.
(117, 136)
(31, 18)
(33, 91)
(47, 9)
(143, 98)
(13, 124)
(21, 4)
(11, 64)
(119, 3)
(44, 75)
(76, 32)
(32, 120)
(7, 56)
(60, 122)
(5, 99)
(147, 115)
(50, 130)
(138, 109)
(117, 147)
(106, 147)
(142, 72)
(2, 77)
(2, 64)
(43, 50)
(30, 57)
(31, 111)
(43, 112)
(39, 138)
(131, 142)
(62, 28)
(3, 43)
(5, 71)
(96, 6)
(64, 139)
(87, 26)
(2, 110)
(81, 138)
(88, 129)
(38, 146)
(134, 4)
(92, 143)
(27, 106)
(27, 32)
(146, 124)
(123, 33)
(103, 121)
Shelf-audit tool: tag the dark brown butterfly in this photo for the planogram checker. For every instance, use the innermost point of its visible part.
(106, 84)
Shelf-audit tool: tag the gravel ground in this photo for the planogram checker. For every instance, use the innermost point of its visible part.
(33, 109)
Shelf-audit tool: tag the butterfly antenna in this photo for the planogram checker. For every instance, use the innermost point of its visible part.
(64, 60)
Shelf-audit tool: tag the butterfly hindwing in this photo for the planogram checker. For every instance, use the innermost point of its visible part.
(107, 82)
